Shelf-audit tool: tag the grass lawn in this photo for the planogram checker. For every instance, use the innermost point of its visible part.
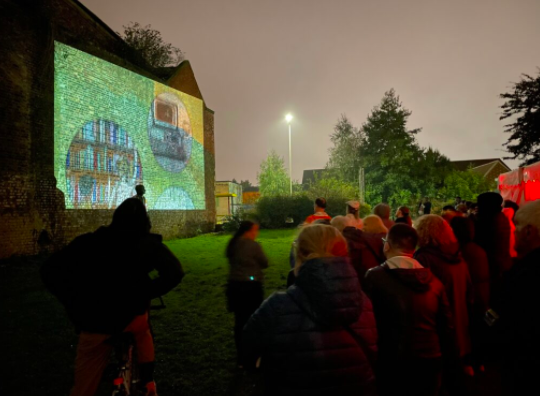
(195, 351)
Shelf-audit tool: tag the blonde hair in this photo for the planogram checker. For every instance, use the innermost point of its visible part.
(319, 240)
(434, 231)
(373, 224)
(341, 222)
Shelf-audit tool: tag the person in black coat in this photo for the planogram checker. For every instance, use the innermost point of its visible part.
(413, 319)
(103, 280)
(493, 235)
(519, 315)
(319, 337)
(477, 262)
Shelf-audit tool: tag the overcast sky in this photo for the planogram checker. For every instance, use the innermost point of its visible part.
(257, 60)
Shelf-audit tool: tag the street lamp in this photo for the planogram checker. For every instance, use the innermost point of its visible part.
(289, 118)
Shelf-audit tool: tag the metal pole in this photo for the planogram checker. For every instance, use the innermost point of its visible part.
(290, 161)
(362, 187)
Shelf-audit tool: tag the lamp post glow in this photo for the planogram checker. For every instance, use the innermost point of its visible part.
(289, 118)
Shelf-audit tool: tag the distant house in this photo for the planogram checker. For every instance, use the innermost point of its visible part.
(489, 168)
(228, 199)
(311, 175)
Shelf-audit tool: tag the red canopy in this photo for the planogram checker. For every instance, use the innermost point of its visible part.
(522, 184)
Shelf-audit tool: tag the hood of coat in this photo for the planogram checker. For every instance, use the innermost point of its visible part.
(449, 253)
(417, 279)
(328, 289)
(403, 262)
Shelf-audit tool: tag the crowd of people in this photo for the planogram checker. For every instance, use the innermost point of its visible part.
(373, 306)
(394, 307)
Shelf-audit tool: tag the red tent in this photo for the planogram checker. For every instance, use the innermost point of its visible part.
(521, 185)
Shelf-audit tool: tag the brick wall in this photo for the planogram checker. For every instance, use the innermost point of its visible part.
(32, 210)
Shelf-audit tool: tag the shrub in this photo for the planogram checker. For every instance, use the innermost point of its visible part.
(232, 222)
(365, 210)
(273, 212)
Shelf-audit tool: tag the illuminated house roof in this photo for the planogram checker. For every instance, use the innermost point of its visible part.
(489, 168)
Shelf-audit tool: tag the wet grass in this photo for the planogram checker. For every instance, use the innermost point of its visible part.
(194, 341)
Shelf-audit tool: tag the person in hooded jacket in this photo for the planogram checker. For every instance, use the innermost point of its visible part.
(365, 250)
(439, 251)
(413, 319)
(103, 280)
(319, 337)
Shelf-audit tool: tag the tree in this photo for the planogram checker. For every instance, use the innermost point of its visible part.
(523, 103)
(247, 186)
(465, 184)
(332, 187)
(431, 172)
(150, 44)
(344, 161)
(389, 153)
(272, 177)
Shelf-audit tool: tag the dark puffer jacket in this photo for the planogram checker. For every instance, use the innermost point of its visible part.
(447, 264)
(302, 338)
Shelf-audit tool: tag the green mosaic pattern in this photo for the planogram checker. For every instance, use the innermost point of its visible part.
(114, 129)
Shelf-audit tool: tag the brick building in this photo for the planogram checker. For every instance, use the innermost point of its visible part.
(34, 216)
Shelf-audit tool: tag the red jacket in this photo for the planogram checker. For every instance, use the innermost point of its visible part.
(412, 314)
(452, 271)
(317, 216)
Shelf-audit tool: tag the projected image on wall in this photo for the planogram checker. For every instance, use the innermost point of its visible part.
(114, 129)
(102, 166)
(169, 131)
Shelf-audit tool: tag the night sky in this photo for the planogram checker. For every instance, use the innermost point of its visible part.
(257, 60)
